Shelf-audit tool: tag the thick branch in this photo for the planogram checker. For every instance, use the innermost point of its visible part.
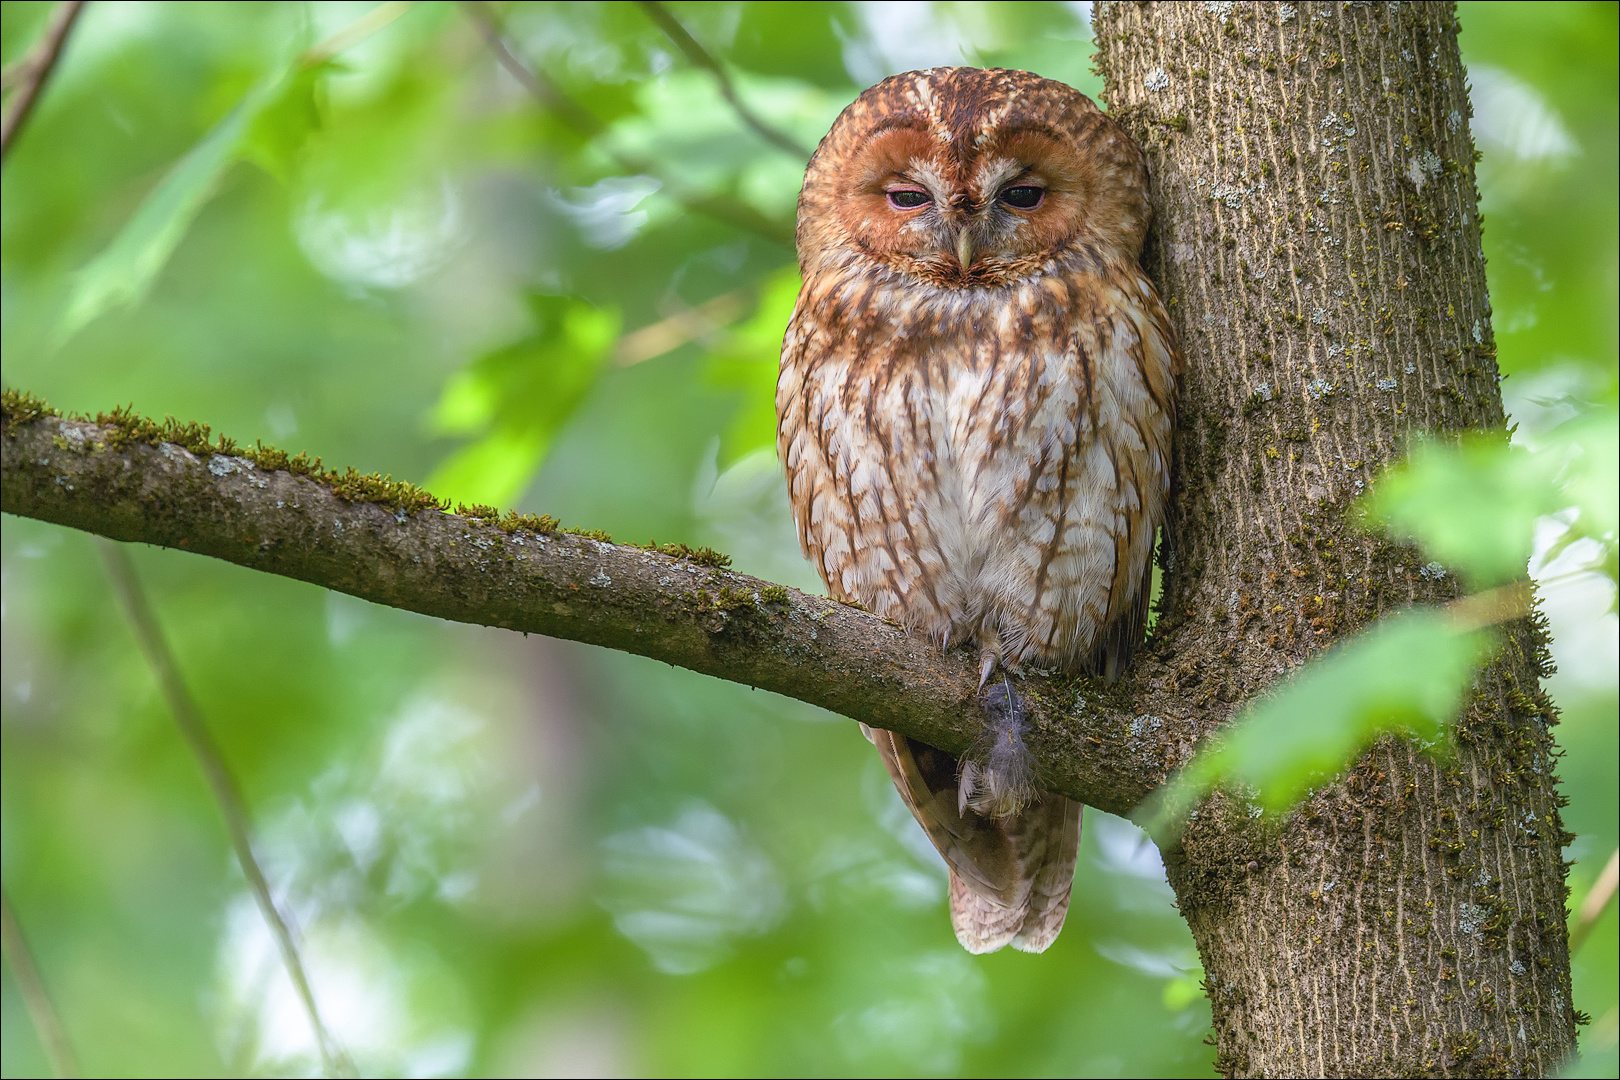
(1107, 746)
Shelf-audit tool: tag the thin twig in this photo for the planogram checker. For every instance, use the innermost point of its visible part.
(40, 1009)
(587, 126)
(1491, 607)
(147, 632)
(671, 333)
(1597, 901)
(537, 83)
(34, 69)
(356, 32)
(28, 74)
(700, 56)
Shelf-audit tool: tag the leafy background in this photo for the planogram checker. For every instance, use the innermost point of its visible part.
(517, 856)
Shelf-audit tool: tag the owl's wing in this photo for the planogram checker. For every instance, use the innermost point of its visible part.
(1121, 637)
(1141, 361)
(1010, 877)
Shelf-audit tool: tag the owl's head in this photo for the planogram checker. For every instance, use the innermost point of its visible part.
(966, 177)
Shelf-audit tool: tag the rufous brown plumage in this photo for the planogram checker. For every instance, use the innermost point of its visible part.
(975, 409)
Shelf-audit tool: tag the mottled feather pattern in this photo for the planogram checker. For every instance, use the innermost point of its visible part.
(973, 491)
(975, 410)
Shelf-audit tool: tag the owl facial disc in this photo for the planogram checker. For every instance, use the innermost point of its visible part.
(968, 178)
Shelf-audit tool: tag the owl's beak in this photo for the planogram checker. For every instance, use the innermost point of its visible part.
(964, 248)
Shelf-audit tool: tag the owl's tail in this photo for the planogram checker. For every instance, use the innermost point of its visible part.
(1010, 876)
(1041, 844)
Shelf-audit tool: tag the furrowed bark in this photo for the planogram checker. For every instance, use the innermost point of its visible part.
(1318, 244)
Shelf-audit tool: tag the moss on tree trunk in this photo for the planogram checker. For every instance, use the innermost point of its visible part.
(1318, 242)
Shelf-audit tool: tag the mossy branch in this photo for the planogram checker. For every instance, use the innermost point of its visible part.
(126, 477)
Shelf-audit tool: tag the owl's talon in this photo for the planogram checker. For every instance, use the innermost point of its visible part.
(1002, 782)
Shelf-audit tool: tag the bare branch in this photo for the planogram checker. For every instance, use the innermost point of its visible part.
(668, 334)
(221, 783)
(696, 53)
(38, 1002)
(555, 100)
(356, 32)
(31, 73)
(1108, 746)
(536, 82)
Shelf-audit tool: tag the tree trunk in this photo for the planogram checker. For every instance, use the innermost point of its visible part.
(1318, 244)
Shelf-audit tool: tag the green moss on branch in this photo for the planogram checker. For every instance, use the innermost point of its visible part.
(126, 427)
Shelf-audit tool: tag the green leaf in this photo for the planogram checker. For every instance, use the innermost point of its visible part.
(804, 41)
(1408, 673)
(747, 363)
(1472, 507)
(276, 135)
(492, 471)
(125, 269)
(1591, 443)
(517, 399)
(466, 405)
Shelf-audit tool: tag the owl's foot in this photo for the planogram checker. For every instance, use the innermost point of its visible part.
(999, 780)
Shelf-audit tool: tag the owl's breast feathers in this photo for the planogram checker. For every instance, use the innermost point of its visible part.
(984, 464)
(974, 409)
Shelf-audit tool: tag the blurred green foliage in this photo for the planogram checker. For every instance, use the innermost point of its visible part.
(517, 398)
(1475, 506)
(511, 856)
(1408, 673)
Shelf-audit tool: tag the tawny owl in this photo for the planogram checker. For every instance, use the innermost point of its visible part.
(975, 410)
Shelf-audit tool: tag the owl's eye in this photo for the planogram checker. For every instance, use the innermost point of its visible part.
(1023, 197)
(909, 198)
